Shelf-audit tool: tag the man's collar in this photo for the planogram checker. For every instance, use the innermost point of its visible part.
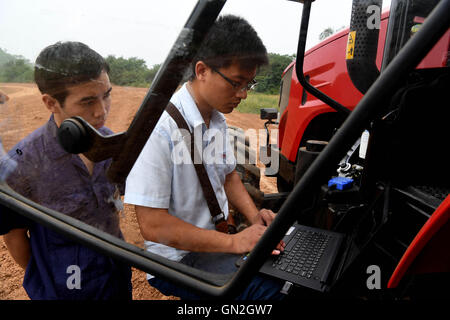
(190, 109)
(191, 112)
(52, 148)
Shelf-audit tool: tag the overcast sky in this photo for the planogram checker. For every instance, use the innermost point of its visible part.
(147, 29)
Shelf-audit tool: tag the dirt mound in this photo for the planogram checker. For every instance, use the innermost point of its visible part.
(25, 112)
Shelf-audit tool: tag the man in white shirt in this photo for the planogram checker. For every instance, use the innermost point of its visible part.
(172, 212)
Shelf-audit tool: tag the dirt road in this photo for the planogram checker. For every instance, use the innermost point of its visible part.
(25, 112)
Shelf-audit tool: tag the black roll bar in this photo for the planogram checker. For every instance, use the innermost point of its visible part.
(300, 60)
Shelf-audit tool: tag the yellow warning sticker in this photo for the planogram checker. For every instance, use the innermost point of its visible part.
(351, 45)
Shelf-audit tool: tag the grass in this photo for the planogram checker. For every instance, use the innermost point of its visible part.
(256, 101)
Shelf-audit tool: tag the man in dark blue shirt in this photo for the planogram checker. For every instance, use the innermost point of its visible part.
(73, 80)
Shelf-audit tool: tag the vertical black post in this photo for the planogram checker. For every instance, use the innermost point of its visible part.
(300, 60)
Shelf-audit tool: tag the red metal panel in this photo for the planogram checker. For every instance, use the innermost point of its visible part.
(428, 252)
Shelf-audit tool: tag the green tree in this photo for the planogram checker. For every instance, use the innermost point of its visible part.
(151, 73)
(16, 70)
(269, 76)
(129, 72)
(326, 33)
(5, 56)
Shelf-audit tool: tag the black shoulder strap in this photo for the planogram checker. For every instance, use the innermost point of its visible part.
(217, 214)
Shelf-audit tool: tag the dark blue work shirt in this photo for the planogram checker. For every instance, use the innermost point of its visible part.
(50, 176)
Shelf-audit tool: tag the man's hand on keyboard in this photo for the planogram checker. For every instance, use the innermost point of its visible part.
(265, 218)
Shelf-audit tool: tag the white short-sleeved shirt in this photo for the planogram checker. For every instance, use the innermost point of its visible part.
(159, 179)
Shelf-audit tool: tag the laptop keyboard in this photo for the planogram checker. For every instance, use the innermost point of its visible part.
(302, 254)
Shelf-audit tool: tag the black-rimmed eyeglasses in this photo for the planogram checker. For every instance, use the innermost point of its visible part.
(237, 86)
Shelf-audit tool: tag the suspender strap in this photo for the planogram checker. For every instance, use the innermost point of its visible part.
(217, 214)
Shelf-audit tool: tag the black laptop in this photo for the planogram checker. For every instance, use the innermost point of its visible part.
(308, 259)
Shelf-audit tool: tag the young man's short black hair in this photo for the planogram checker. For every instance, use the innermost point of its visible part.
(230, 39)
(63, 64)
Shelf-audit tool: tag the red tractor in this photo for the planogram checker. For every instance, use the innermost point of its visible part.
(343, 67)
(377, 184)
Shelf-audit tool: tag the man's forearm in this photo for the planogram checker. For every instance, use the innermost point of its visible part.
(18, 245)
(158, 225)
(239, 198)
